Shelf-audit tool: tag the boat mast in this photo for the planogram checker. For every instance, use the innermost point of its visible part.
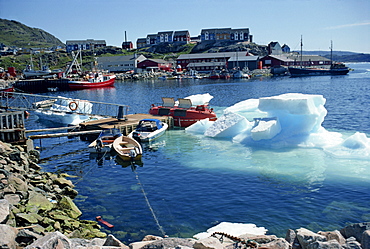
(331, 53)
(301, 51)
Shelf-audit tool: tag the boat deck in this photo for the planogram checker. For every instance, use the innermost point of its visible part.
(124, 125)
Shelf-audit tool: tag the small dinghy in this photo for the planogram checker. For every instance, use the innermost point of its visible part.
(128, 149)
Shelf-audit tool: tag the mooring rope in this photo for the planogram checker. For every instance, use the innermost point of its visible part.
(148, 203)
(97, 163)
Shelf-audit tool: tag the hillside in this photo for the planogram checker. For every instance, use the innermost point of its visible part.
(13, 33)
(342, 56)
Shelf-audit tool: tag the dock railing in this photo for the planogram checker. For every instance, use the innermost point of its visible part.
(33, 102)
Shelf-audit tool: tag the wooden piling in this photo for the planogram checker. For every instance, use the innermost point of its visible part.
(12, 128)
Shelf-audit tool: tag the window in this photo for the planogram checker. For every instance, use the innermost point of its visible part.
(241, 35)
(206, 36)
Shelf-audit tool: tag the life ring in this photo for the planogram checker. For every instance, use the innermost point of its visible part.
(73, 106)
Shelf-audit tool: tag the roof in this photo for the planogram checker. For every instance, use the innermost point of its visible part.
(297, 57)
(119, 58)
(210, 55)
(206, 64)
(243, 58)
(184, 32)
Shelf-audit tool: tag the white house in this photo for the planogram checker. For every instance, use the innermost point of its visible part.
(120, 63)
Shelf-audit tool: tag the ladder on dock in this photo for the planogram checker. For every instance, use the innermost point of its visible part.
(30, 102)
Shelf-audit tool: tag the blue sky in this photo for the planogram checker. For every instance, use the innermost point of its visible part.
(345, 22)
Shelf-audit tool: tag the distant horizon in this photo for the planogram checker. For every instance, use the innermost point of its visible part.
(284, 21)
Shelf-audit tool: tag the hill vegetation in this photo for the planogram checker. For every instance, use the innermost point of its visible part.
(13, 33)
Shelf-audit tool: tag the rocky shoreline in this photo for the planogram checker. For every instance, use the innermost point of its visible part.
(37, 211)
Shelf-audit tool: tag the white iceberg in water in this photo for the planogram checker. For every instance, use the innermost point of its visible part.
(233, 229)
(286, 120)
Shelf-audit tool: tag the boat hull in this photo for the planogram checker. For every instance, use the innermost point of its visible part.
(80, 85)
(295, 72)
(143, 136)
(184, 117)
(127, 149)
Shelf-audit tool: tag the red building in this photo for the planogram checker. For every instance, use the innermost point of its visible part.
(295, 60)
(127, 45)
(155, 65)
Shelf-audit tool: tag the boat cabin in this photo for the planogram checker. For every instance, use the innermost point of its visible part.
(149, 125)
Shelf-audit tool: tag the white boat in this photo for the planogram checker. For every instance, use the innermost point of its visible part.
(238, 74)
(104, 142)
(65, 111)
(128, 149)
(30, 72)
(148, 130)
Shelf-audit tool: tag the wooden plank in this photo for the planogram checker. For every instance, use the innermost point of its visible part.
(64, 134)
(53, 129)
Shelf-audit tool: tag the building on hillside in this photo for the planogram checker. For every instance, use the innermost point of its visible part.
(181, 37)
(141, 43)
(274, 48)
(295, 60)
(119, 64)
(226, 34)
(89, 44)
(285, 48)
(207, 62)
(151, 39)
(127, 45)
(155, 65)
(165, 36)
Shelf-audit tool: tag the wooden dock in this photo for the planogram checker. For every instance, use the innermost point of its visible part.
(126, 125)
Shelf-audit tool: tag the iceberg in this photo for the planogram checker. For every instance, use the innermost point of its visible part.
(282, 121)
(233, 229)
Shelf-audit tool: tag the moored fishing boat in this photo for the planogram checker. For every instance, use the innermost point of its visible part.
(184, 113)
(128, 149)
(334, 69)
(148, 130)
(96, 81)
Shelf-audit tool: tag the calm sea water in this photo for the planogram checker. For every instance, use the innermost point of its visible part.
(192, 183)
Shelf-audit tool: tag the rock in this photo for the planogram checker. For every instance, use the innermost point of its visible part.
(4, 210)
(40, 201)
(355, 230)
(62, 182)
(52, 241)
(365, 240)
(170, 243)
(67, 205)
(208, 243)
(24, 219)
(26, 237)
(69, 192)
(306, 237)
(8, 235)
(5, 148)
(151, 237)
(278, 243)
(18, 183)
(334, 235)
(332, 244)
(112, 241)
(13, 199)
(139, 245)
(352, 244)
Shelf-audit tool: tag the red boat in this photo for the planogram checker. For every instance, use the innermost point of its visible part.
(184, 114)
(93, 81)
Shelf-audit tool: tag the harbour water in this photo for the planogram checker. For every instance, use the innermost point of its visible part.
(191, 183)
